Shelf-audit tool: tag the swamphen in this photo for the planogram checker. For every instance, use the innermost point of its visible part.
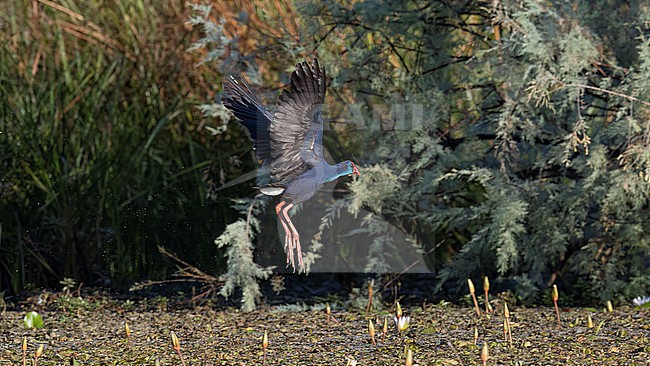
(289, 144)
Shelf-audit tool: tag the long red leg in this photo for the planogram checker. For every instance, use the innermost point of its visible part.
(287, 233)
(295, 239)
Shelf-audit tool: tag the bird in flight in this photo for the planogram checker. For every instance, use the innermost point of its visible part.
(288, 143)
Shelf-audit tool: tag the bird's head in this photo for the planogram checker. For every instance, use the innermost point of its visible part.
(352, 169)
(343, 168)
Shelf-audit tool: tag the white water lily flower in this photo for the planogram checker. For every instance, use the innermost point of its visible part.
(402, 322)
(641, 300)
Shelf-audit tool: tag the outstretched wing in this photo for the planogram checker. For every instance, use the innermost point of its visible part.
(238, 97)
(297, 126)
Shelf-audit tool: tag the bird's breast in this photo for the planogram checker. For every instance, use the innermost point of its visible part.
(303, 187)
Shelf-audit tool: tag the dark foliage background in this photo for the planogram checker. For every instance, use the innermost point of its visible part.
(101, 145)
(522, 154)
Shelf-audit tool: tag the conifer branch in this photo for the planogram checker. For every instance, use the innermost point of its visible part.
(606, 91)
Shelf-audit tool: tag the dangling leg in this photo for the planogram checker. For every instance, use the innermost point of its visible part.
(295, 238)
(287, 234)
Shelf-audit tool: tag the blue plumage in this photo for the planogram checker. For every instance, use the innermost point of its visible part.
(290, 143)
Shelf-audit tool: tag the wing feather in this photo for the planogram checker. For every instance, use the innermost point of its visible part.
(297, 126)
(238, 97)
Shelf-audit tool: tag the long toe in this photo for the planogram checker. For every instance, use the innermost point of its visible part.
(299, 254)
(289, 253)
(287, 242)
(289, 247)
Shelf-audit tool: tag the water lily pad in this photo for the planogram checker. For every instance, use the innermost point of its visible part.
(33, 320)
